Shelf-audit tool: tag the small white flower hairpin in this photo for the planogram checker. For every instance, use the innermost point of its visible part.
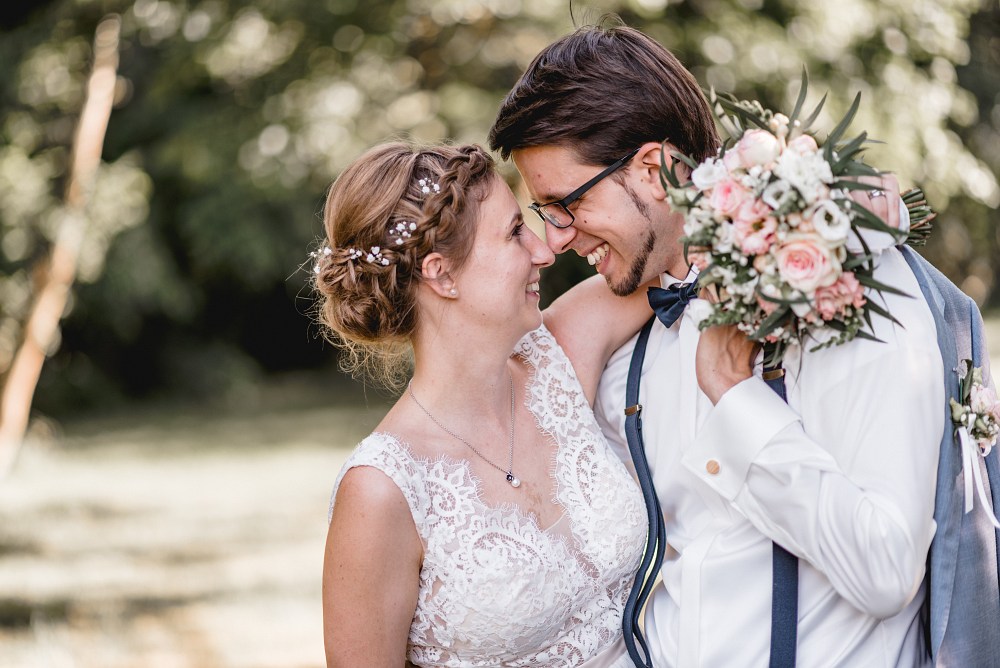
(375, 256)
(403, 230)
(318, 255)
(426, 185)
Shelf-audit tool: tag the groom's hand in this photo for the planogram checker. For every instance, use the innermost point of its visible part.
(886, 206)
(724, 359)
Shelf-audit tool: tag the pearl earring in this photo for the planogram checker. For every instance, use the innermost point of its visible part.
(453, 292)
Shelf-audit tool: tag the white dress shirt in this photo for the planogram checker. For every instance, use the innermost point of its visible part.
(842, 476)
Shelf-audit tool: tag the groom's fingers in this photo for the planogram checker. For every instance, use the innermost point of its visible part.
(890, 186)
(709, 293)
(883, 202)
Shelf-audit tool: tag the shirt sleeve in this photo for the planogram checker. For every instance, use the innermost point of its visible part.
(610, 404)
(852, 491)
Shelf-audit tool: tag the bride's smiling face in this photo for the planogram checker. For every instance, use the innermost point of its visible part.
(498, 283)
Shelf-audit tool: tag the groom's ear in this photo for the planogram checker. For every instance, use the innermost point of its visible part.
(648, 161)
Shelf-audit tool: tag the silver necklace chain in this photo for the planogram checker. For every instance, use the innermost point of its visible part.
(509, 472)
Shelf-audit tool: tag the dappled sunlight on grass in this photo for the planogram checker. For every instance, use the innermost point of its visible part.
(174, 537)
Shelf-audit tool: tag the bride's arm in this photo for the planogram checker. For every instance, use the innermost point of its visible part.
(590, 323)
(371, 573)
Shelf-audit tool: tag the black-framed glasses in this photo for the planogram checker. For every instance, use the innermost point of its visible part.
(557, 213)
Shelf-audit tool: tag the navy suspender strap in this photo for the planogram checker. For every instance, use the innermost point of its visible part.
(652, 556)
(784, 569)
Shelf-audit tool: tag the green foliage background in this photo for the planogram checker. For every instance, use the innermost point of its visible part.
(233, 117)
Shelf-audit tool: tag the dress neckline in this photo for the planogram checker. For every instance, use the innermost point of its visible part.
(476, 481)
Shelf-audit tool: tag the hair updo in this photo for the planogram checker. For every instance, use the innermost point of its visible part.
(384, 214)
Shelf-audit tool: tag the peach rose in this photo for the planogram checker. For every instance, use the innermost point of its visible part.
(805, 263)
(758, 147)
(982, 398)
(803, 144)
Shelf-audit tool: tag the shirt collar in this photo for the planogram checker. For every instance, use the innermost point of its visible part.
(666, 280)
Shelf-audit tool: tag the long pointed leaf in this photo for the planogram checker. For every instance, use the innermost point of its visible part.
(845, 122)
(815, 113)
(802, 97)
(870, 282)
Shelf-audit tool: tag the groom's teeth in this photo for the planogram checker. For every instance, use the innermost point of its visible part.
(598, 254)
(533, 287)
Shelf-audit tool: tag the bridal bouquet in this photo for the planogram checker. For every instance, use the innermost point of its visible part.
(767, 223)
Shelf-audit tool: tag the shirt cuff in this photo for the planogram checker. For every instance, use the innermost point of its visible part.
(746, 418)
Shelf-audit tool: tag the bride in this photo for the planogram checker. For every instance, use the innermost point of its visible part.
(485, 522)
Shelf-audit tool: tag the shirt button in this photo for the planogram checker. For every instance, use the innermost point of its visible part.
(712, 466)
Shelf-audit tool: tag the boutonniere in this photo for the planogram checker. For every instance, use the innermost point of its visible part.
(977, 425)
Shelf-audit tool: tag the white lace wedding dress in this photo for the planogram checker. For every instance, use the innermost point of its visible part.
(495, 588)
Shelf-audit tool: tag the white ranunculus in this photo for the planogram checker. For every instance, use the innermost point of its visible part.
(777, 193)
(830, 221)
(708, 173)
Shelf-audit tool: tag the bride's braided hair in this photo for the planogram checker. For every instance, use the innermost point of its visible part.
(385, 213)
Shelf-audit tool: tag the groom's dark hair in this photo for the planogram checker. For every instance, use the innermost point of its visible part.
(602, 91)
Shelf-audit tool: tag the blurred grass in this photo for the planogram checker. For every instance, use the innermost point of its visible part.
(177, 536)
(182, 536)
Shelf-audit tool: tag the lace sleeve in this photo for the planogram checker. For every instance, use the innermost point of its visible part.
(382, 452)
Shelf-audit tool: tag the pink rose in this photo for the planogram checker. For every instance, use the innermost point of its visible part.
(805, 263)
(752, 210)
(803, 144)
(828, 303)
(698, 259)
(852, 291)
(832, 301)
(758, 147)
(727, 197)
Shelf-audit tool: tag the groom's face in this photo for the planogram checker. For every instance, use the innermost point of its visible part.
(613, 222)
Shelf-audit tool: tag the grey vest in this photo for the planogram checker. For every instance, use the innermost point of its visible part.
(963, 606)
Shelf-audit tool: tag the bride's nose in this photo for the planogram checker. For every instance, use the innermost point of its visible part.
(541, 255)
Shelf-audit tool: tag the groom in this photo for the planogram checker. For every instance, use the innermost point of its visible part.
(842, 475)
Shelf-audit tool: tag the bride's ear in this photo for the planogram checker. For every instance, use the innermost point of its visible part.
(648, 160)
(436, 273)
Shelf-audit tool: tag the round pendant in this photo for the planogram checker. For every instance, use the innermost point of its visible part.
(514, 481)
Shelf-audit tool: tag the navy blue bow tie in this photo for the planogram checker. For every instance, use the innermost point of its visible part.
(669, 303)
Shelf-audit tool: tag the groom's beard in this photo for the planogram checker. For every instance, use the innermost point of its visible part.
(637, 270)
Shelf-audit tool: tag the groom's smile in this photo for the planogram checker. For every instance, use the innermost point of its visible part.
(611, 224)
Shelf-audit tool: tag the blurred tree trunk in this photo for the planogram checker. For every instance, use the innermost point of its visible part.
(55, 274)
